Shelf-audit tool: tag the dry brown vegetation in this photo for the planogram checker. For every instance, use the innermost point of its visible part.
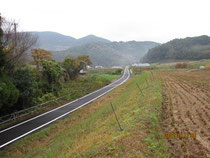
(187, 110)
(181, 65)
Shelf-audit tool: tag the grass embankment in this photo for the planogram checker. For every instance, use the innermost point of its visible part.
(92, 131)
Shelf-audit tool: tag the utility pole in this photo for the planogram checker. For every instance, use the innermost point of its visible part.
(15, 30)
(1, 31)
(0, 20)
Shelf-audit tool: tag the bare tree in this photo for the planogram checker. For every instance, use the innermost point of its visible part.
(16, 43)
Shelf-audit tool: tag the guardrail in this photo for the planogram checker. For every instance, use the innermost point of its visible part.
(24, 112)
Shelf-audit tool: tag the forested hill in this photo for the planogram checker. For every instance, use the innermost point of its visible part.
(109, 53)
(190, 48)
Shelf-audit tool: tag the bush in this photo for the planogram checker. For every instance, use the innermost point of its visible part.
(8, 94)
(181, 65)
(117, 72)
(53, 73)
(25, 82)
(46, 97)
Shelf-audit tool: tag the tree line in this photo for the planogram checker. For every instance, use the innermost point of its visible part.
(23, 83)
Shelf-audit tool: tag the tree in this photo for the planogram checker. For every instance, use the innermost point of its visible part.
(14, 85)
(39, 55)
(25, 82)
(8, 94)
(74, 65)
(2, 52)
(16, 44)
(53, 73)
(84, 61)
(71, 65)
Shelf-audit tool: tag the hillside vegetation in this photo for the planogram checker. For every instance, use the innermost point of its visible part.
(109, 54)
(191, 48)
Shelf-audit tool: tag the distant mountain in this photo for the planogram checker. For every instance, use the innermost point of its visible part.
(101, 51)
(109, 53)
(56, 41)
(91, 39)
(190, 48)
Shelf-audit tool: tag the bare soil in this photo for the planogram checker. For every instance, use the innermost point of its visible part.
(186, 109)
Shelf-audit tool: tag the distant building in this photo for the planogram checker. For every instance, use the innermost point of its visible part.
(116, 67)
(99, 67)
(89, 67)
(202, 67)
(82, 72)
(141, 64)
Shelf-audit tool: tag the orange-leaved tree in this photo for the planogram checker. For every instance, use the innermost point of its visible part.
(39, 55)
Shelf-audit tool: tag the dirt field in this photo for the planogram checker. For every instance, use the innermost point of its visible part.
(186, 117)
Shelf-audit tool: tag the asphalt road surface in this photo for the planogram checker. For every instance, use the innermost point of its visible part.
(24, 128)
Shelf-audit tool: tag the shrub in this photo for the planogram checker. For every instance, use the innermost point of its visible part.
(8, 94)
(181, 65)
(46, 97)
(25, 82)
(117, 72)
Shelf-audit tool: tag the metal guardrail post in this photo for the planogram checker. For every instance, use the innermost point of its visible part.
(116, 117)
(152, 76)
(147, 82)
(140, 89)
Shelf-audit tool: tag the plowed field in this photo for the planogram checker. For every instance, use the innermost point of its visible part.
(186, 114)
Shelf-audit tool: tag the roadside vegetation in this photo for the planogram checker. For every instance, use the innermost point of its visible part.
(109, 74)
(93, 131)
(157, 120)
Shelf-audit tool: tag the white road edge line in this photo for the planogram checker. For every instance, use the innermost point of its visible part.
(59, 106)
(67, 112)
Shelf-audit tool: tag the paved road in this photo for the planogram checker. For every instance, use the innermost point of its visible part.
(22, 129)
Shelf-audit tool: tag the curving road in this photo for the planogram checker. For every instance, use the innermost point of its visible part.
(24, 128)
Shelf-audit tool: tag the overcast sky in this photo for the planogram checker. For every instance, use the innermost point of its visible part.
(116, 20)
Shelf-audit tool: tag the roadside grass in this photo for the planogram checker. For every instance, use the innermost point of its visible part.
(102, 71)
(92, 131)
(105, 76)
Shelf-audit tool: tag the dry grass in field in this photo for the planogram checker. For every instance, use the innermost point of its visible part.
(187, 110)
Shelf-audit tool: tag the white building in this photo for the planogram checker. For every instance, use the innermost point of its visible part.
(99, 67)
(141, 64)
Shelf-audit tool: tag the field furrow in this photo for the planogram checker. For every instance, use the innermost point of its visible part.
(186, 116)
